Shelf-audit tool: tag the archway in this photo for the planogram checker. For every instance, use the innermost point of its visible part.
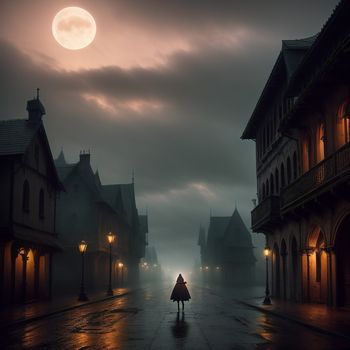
(342, 244)
(318, 284)
(276, 273)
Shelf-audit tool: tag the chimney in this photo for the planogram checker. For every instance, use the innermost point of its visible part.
(35, 109)
(85, 157)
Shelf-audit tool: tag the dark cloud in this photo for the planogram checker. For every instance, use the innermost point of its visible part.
(177, 124)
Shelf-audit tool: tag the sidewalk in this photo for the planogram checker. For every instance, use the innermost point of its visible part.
(327, 320)
(21, 314)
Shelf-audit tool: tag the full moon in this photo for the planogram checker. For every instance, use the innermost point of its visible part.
(74, 28)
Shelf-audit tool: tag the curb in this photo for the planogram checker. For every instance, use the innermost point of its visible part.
(63, 310)
(295, 320)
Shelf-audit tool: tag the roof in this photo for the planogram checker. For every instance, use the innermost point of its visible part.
(61, 160)
(236, 233)
(85, 172)
(323, 45)
(217, 227)
(122, 198)
(16, 135)
(288, 60)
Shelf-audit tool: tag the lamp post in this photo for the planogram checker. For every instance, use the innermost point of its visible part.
(267, 300)
(121, 265)
(82, 250)
(110, 239)
(24, 254)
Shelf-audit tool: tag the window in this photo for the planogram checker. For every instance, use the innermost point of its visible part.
(343, 123)
(295, 166)
(280, 112)
(41, 204)
(263, 191)
(267, 188)
(272, 187)
(306, 153)
(25, 197)
(283, 179)
(289, 171)
(320, 142)
(277, 180)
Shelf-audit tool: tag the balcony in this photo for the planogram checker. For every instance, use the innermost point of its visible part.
(327, 175)
(266, 214)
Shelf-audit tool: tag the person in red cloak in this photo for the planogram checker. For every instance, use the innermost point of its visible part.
(180, 292)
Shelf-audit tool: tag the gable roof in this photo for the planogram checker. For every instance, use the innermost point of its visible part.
(289, 58)
(61, 160)
(217, 227)
(334, 33)
(16, 136)
(122, 198)
(236, 233)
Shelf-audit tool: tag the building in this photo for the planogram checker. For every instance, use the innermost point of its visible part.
(122, 198)
(88, 211)
(29, 186)
(302, 132)
(150, 267)
(227, 253)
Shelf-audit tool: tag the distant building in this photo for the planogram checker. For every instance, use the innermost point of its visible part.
(122, 198)
(302, 133)
(150, 266)
(227, 253)
(88, 211)
(29, 186)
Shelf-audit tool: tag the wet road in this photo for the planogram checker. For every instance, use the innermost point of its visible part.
(146, 319)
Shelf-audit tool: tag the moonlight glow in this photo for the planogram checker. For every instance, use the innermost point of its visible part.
(74, 28)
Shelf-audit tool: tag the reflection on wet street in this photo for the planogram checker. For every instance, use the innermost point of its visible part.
(180, 327)
(147, 319)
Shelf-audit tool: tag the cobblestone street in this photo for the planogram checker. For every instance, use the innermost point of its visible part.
(146, 319)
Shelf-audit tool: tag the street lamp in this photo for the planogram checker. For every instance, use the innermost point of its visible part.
(121, 265)
(267, 300)
(110, 239)
(82, 250)
(24, 254)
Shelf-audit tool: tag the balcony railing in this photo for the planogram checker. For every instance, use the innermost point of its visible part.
(328, 171)
(265, 214)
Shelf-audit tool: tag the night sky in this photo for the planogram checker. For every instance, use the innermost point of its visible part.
(166, 88)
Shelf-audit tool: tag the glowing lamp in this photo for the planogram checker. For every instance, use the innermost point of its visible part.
(267, 251)
(82, 247)
(22, 252)
(120, 264)
(207, 267)
(110, 237)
